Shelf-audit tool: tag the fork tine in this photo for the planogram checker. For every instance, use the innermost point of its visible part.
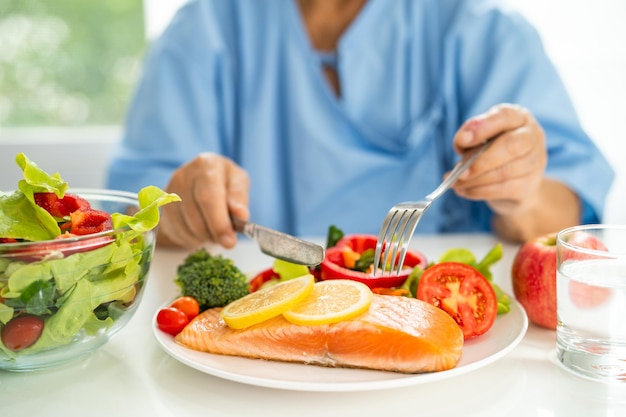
(391, 252)
(385, 236)
(407, 236)
(389, 240)
(397, 238)
(381, 239)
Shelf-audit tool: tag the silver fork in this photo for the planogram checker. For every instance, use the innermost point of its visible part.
(399, 224)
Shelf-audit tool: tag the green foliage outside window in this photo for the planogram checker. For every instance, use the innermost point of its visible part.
(68, 62)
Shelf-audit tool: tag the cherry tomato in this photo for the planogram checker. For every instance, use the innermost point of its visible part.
(463, 292)
(187, 305)
(334, 264)
(22, 332)
(171, 320)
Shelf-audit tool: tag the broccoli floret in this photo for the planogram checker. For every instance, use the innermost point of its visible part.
(212, 280)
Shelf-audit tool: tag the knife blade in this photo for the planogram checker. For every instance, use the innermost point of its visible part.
(281, 245)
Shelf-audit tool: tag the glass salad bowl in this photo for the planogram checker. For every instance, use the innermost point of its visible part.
(63, 298)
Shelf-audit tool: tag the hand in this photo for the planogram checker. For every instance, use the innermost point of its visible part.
(512, 169)
(212, 188)
(509, 176)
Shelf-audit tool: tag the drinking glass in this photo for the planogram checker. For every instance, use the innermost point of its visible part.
(591, 301)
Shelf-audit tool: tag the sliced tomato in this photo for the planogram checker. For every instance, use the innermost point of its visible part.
(61, 207)
(463, 292)
(339, 259)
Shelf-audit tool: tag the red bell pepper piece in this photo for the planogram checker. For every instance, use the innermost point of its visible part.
(261, 278)
(61, 207)
(334, 264)
(85, 222)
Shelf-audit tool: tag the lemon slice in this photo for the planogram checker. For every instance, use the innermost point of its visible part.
(330, 302)
(267, 303)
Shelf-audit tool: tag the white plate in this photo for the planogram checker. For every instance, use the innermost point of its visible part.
(506, 333)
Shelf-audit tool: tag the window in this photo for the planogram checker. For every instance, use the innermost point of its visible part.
(68, 62)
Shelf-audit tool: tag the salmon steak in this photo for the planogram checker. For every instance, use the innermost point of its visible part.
(398, 334)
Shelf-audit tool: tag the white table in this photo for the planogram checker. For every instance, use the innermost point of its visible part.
(132, 376)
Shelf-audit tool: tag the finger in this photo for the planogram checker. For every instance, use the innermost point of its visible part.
(238, 191)
(228, 194)
(513, 181)
(514, 189)
(176, 228)
(211, 201)
(186, 226)
(192, 180)
(496, 121)
(513, 155)
(497, 183)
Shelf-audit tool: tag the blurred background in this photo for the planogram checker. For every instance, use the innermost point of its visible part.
(68, 62)
(68, 69)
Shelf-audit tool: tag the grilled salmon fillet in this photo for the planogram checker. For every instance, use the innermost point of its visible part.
(398, 334)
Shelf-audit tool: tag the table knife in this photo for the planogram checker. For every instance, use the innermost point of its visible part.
(281, 245)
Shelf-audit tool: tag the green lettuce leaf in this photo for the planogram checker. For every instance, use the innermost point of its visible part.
(22, 277)
(20, 216)
(6, 313)
(150, 199)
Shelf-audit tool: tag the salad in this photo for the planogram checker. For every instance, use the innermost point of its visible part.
(67, 269)
(457, 283)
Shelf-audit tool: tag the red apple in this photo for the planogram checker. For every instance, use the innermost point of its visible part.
(534, 276)
(534, 279)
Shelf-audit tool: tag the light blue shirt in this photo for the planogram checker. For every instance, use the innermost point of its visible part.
(240, 78)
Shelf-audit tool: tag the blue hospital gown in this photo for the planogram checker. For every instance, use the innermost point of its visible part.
(240, 78)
